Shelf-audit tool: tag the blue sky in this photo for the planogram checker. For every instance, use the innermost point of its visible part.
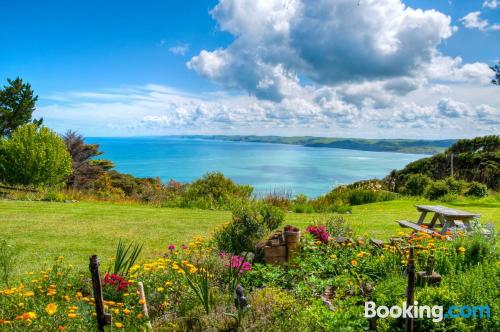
(346, 68)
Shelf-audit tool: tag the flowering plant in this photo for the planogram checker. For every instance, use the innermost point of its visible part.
(116, 280)
(319, 232)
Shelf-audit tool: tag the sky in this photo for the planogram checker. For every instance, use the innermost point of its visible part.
(343, 68)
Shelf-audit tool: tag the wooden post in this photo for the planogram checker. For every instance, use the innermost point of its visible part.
(142, 297)
(102, 317)
(451, 165)
(410, 289)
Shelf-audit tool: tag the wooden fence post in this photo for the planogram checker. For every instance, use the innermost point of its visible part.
(102, 317)
(410, 289)
(142, 297)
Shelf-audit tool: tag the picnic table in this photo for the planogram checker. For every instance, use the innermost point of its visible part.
(447, 218)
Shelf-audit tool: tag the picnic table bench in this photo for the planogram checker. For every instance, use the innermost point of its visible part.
(447, 218)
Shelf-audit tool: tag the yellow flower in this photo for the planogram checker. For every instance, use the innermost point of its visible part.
(354, 262)
(66, 298)
(119, 325)
(126, 311)
(139, 316)
(32, 315)
(461, 250)
(168, 283)
(51, 309)
(72, 315)
(29, 294)
(141, 301)
(160, 289)
(116, 311)
(20, 305)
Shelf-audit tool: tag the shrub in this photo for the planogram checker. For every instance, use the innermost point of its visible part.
(365, 196)
(272, 216)
(456, 186)
(477, 189)
(415, 184)
(215, 191)
(437, 190)
(243, 232)
(34, 156)
(54, 196)
(272, 309)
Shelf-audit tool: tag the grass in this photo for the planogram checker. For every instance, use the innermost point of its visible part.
(41, 231)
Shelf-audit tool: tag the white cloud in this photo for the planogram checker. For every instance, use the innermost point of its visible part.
(180, 49)
(307, 68)
(328, 42)
(487, 114)
(452, 109)
(474, 21)
(332, 111)
(493, 4)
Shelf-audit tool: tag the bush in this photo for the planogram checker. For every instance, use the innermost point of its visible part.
(477, 189)
(456, 186)
(34, 156)
(215, 191)
(415, 184)
(365, 196)
(437, 190)
(54, 196)
(272, 216)
(243, 232)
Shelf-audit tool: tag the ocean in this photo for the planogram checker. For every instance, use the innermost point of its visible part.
(267, 167)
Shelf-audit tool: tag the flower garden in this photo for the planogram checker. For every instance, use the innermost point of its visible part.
(198, 287)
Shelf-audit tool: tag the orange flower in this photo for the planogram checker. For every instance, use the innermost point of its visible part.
(61, 328)
(354, 262)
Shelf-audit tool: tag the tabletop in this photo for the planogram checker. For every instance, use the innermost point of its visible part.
(446, 211)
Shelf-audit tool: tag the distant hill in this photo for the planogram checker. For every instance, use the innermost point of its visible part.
(389, 145)
(476, 159)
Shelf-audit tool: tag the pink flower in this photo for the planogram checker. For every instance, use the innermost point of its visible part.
(319, 232)
(238, 262)
(171, 247)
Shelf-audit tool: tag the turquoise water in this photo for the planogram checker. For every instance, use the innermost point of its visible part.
(267, 167)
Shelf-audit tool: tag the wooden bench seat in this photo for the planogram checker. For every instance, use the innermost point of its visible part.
(412, 225)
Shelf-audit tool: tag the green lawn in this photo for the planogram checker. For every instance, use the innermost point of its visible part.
(41, 231)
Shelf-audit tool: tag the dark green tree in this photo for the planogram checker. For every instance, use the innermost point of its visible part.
(86, 169)
(496, 69)
(17, 104)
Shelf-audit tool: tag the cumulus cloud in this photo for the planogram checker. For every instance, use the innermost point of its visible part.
(488, 114)
(328, 42)
(309, 67)
(474, 21)
(452, 109)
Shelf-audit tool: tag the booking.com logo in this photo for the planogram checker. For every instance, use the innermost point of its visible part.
(437, 312)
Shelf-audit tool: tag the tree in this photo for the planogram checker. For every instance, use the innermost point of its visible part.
(34, 155)
(17, 104)
(86, 170)
(496, 69)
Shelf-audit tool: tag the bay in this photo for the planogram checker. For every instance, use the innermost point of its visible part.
(267, 167)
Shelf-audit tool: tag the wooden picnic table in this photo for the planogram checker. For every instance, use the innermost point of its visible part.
(447, 218)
